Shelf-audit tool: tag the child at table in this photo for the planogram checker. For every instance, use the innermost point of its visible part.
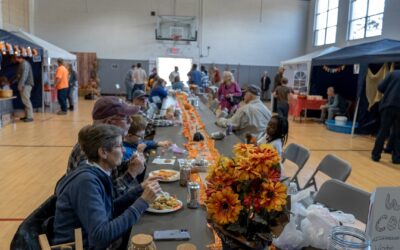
(277, 134)
(134, 141)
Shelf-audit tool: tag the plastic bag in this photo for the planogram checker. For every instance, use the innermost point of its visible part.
(317, 226)
(290, 238)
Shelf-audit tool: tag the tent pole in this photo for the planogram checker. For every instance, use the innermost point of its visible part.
(355, 118)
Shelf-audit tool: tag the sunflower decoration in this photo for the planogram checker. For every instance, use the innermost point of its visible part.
(244, 193)
(224, 206)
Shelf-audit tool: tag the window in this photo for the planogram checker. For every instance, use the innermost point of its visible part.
(366, 18)
(325, 22)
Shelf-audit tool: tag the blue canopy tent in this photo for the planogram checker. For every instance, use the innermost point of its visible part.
(350, 84)
(9, 68)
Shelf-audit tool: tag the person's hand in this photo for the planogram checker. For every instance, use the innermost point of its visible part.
(164, 144)
(322, 106)
(136, 165)
(150, 179)
(141, 147)
(150, 191)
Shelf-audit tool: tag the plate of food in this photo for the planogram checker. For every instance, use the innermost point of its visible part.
(168, 175)
(165, 204)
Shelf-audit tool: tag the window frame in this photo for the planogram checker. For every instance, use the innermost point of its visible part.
(326, 27)
(366, 17)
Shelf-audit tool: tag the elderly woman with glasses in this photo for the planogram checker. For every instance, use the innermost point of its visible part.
(110, 110)
(85, 197)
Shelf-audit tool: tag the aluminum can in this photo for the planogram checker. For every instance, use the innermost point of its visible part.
(193, 200)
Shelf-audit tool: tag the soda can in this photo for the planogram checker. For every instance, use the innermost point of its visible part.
(228, 129)
(193, 199)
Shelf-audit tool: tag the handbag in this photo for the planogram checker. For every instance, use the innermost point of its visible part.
(234, 100)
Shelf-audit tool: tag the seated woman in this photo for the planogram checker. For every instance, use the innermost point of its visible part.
(158, 92)
(227, 91)
(85, 196)
(177, 84)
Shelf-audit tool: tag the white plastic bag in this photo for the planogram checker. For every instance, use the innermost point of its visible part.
(290, 238)
(317, 226)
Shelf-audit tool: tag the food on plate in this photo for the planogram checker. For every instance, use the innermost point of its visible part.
(168, 161)
(165, 174)
(165, 203)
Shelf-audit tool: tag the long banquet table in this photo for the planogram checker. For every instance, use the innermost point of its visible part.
(194, 220)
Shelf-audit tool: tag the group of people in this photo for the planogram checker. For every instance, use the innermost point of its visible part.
(105, 191)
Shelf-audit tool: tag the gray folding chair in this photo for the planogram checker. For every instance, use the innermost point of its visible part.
(298, 155)
(333, 167)
(338, 195)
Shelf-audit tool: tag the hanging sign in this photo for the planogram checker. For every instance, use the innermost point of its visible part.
(356, 69)
(333, 70)
(383, 225)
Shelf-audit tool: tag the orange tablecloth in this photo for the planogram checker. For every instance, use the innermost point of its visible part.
(297, 105)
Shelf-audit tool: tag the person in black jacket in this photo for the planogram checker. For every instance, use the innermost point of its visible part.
(265, 82)
(390, 115)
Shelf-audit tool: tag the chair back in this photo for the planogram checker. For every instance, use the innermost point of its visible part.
(27, 234)
(296, 154)
(77, 245)
(338, 195)
(335, 167)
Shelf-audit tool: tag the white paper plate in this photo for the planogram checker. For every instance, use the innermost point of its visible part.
(165, 211)
(170, 179)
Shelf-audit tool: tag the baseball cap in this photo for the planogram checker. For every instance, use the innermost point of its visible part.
(253, 89)
(139, 93)
(110, 105)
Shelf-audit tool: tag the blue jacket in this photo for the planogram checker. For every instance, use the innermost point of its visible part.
(84, 199)
(159, 92)
(195, 77)
(131, 148)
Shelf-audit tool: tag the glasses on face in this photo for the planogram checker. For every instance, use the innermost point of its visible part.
(140, 136)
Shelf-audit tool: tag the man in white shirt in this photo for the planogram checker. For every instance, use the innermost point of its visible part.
(139, 77)
(251, 118)
(174, 74)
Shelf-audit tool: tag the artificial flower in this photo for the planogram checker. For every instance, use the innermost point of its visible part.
(224, 206)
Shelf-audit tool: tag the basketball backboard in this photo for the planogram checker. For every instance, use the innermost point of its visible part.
(176, 28)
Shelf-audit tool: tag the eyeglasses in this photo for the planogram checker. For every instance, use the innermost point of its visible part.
(139, 135)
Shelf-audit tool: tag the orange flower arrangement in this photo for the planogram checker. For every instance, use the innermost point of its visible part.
(245, 194)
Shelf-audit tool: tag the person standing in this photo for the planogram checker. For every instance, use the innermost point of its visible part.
(25, 85)
(73, 86)
(195, 76)
(139, 76)
(61, 82)
(216, 79)
(277, 82)
(390, 116)
(265, 82)
(129, 83)
(281, 94)
(204, 78)
(174, 74)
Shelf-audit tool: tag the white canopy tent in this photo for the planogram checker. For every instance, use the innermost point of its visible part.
(49, 50)
(298, 70)
(51, 53)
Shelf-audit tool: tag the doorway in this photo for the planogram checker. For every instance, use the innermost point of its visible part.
(165, 65)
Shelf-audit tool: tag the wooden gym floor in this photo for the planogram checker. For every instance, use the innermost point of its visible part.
(33, 156)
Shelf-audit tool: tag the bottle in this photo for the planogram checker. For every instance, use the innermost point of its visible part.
(142, 242)
(184, 175)
(348, 238)
(228, 128)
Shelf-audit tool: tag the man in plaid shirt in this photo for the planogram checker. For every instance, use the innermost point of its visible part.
(111, 110)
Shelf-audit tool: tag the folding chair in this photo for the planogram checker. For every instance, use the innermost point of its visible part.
(298, 155)
(338, 195)
(332, 166)
(77, 245)
(27, 234)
